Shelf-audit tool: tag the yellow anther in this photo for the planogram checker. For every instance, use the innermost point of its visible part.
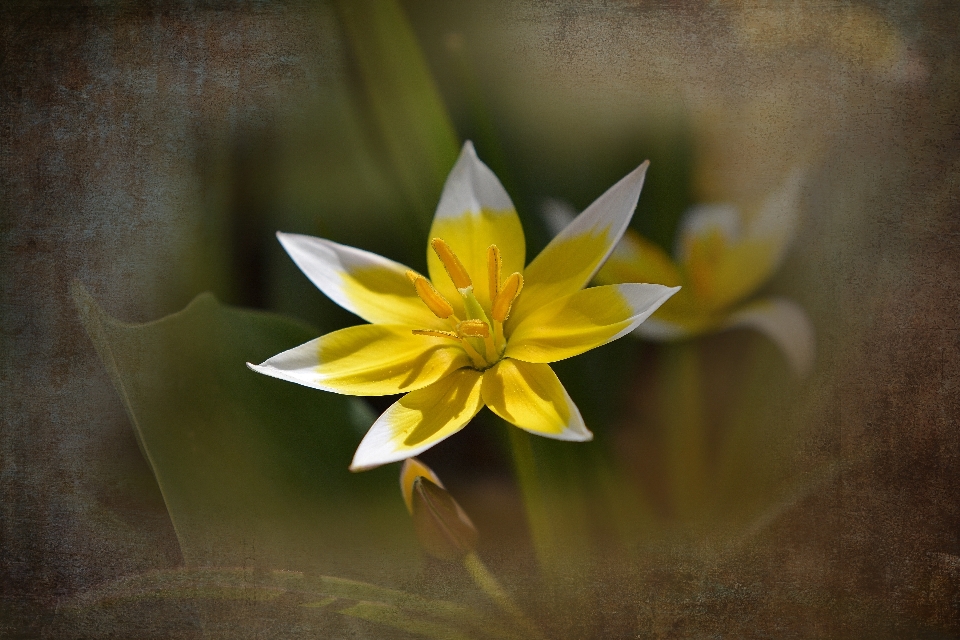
(505, 299)
(474, 329)
(431, 297)
(494, 264)
(436, 334)
(461, 279)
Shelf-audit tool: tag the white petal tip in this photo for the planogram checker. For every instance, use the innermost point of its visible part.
(638, 174)
(367, 462)
(370, 456)
(284, 238)
(471, 187)
(583, 437)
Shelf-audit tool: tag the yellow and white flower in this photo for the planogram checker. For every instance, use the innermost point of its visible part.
(467, 336)
(720, 260)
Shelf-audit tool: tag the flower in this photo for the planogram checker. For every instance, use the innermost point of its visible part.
(720, 260)
(467, 336)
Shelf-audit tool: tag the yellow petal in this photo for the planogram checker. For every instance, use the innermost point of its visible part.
(532, 397)
(682, 316)
(727, 260)
(371, 286)
(368, 360)
(421, 419)
(739, 271)
(572, 258)
(584, 320)
(411, 470)
(474, 213)
(636, 259)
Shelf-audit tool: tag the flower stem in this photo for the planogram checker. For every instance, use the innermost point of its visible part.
(685, 435)
(531, 490)
(488, 583)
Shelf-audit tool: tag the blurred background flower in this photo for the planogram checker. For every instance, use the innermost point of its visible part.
(719, 259)
(151, 152)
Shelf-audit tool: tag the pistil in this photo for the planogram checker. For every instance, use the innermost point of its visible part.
(480, 329)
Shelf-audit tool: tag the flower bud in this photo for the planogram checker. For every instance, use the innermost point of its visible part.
(443, 528)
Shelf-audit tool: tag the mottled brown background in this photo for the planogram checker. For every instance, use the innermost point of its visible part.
(114, 117)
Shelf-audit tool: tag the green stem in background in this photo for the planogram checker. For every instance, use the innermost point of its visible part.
(685, 435)
(485, 132)
(488, 583)
(531, 489)
(529, 478)
(411, 118)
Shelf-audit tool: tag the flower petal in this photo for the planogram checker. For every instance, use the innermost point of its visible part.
(475, 212)
(584, 320)
(636, 259)
(367, 360)
(784, 322)
(533, 398)
(421, 419)
(776, 221)
(726, 261)
(572, 258)
(682, 316)
(704, 220)
(371, 286)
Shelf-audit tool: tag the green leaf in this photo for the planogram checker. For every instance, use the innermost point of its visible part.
(406, 105)
(302, 599)
(253, 470)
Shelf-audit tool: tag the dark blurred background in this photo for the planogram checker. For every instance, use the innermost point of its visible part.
(151, 150)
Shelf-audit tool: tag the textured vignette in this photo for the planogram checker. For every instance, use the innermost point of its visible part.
(91, 178)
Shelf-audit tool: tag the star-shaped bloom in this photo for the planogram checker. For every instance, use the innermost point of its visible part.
(468, 336)
(720, 260)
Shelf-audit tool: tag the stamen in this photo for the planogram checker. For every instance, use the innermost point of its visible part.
(430, 296)
(436, 334)
(456, 271)
(505, 299)
(474, 329)
(494, 264)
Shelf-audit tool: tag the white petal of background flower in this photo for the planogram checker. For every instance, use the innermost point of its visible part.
(703, 219)
(784, 322)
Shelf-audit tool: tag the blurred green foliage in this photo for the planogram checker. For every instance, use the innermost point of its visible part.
(252, 469)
